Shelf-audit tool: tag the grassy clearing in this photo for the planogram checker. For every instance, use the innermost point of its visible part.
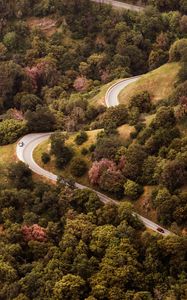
(125, 131)
(7, 156)
(159, 83)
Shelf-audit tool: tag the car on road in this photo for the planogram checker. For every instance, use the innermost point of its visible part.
(21, 144)
(160, 230)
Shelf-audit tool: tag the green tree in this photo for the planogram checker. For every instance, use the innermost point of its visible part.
(40, 120)
(78, 167)
(176, 50)
(81, 138)
(10, 40)
(11, 77)
(132, 189)
(11, 130)
(26, 102)
(62, 152)
(69, 287)
(173, 175)
(45, 157)
(20, 175)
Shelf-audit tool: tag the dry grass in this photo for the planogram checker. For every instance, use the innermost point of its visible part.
(125, 131)
(7, 156)
(159, 83)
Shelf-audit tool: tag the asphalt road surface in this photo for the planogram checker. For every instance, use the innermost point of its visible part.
(111, 97)
(118, 4)
(28, 143)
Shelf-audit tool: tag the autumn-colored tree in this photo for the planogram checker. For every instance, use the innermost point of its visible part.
(34, 233)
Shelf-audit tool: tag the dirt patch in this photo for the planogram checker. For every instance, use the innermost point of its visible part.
(46, 25)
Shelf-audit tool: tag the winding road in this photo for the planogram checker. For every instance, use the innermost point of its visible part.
(31, 141)
(118, 4)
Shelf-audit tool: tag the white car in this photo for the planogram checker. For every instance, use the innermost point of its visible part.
(21, 144)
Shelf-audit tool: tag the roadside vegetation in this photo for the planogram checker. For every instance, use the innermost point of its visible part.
(57, 59)
(159, 83)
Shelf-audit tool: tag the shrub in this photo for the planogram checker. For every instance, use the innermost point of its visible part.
(62, 152)
(107, 147)
(92, 147)
(64, 158)
(20, 175)
(180, 91)
(81, 138)
(26, 101)
(173, 175)
(10, 40)
(34, 233)
(78, 167)
(118, 115)
(45, 157)
(84, 151)
(11, 130)
(107, 175)
(176, 50)
(133, 189)
(141, 101)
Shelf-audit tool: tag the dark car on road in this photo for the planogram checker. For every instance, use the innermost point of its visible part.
(160, 229)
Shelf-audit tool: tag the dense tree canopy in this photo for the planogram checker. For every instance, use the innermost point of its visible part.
(58, 242)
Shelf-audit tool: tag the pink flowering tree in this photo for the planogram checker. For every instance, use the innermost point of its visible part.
(34, 233)
(43, 73)
(98, 168)
(106, 174)
(81, 84)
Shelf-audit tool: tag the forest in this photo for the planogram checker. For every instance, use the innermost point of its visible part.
(56, 241)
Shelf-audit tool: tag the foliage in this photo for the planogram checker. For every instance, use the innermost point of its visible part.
(81, 138)
(45, 157)
(176, 50)
(117, 114)
(41, 120)
(34, 233)
(62, 152)
(11, 130)
(141, 101)
(20, 175)
(78, 167)
(80, 247)
(173, 175)
(57, 242)
(106, 175)
(106, 147)
(26, 102)
(132, 189)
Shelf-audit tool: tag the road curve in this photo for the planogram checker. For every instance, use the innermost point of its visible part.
(31, 141)
(111, 96)
(118, 4)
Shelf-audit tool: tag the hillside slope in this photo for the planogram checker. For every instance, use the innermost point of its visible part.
(159, 83)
